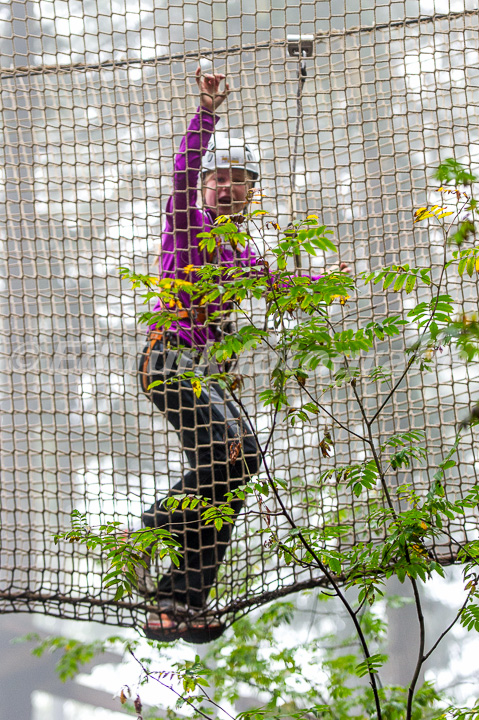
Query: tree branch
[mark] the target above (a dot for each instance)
(422, 641)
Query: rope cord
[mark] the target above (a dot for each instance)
(302, 74)
(26, 71)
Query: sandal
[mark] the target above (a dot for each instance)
(180, 623)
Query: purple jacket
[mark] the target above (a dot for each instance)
(184, 220)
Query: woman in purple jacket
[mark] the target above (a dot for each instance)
(219, 445)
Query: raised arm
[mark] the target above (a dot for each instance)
(187, 165)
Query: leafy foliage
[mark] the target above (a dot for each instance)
(125, 551)
(308, 327)
(451, 171)
(74, 653)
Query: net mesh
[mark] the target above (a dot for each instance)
(94, 101)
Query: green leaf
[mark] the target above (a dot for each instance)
(451, 171)
(362, 476)
(470, 617)
(462, 265)
(410, 283)
(119, 594)
(400, 280)
(326, 244)
(371, 664)
(389, 279)
(471, 265)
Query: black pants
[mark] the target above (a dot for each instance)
(210, 429)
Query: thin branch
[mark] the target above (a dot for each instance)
(273, 427)
(422, 641)
(322, 567)
(361, 606)
(450, 626)
(212, 702)
(189, 701)
(352, 313)
(426, 327)
(370, 442)
(311, 397)
(422, 631)
(330, 415)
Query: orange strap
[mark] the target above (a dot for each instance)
(195, 314)
(153, 337)
(182, 314)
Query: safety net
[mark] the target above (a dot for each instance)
(95, 98)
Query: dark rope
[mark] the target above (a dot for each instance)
(29, 70)
(302, 74)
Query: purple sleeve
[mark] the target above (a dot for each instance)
(187, 168)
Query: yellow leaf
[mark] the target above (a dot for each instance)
(312, 217)
(188, 268)
(477, 265)
(196, 385)
(444, 214)
(343, 299)
(423, 213)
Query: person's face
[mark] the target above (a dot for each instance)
(225, 190)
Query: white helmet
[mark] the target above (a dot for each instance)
(226, 152)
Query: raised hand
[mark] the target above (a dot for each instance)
(341, 267)
(210, 95)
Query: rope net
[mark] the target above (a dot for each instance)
(94, 102)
